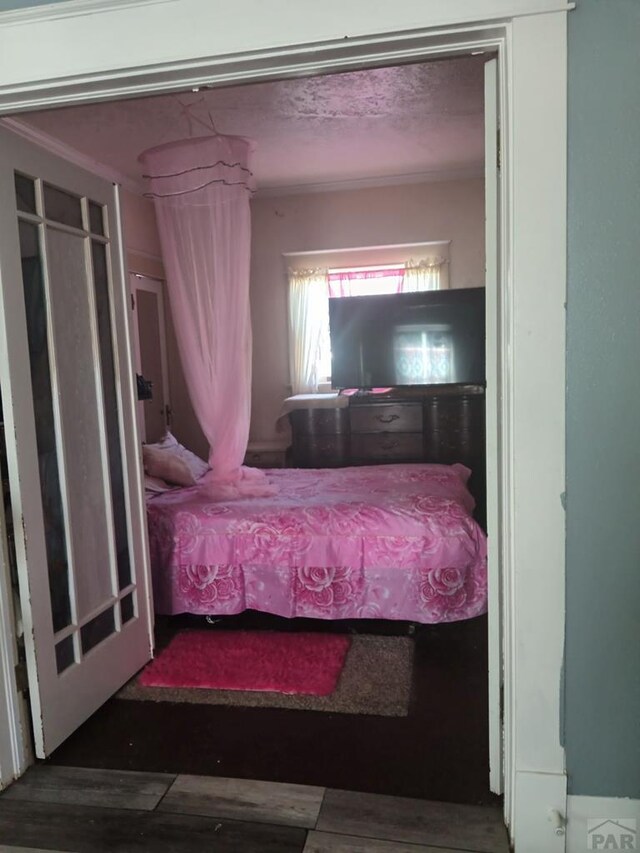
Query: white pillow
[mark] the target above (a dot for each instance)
(166, 466)
(155, 486)
(197, 466)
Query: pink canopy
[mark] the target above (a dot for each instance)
(201, 189)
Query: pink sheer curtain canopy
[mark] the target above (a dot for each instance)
(201, 189)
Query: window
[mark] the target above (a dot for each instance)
(309, 292)
(365, 281)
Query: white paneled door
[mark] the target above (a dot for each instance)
(66, 374)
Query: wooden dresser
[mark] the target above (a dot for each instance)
(266, 454)
(320, 438)
(386, 432)
(443, 424)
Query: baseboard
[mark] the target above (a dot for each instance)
(538, 814)
(602, 823)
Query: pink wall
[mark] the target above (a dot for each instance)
(140, 229)
(335, 220)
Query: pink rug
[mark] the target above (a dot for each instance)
(250, 660)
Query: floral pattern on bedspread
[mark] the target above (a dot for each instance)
(389, 541)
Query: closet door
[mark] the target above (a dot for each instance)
(72, 446)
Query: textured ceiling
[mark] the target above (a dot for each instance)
(361, 125)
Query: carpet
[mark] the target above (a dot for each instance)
(375, 680)
(272, 661)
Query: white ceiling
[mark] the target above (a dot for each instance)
(360, 126)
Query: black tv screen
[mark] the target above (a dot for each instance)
(430, 338)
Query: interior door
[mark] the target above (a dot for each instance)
(150, 339)
(66, 373)
(492, 398)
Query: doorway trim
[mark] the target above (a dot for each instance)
(531, 462)
(156, 286)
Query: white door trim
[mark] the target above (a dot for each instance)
(140, 281)
(492, 285)
(533, 433)
(242, 42)
(533, 225)
(66, 9)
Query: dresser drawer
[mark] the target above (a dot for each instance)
(454, 429)
(324, 451)
(319, 421)
(406, 417)
(387, 447)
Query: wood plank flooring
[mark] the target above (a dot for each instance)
(326, 842)
(244, 799)
(438, 752)
(412, 821)
(83, 786)
(80, 810)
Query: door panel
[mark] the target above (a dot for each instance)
(111, 408)
(74, 460)
(80, 419)
(42, 396)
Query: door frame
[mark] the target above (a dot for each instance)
(492, 426)
(533, 224)
(154, 285)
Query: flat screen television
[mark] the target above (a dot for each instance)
(430, 338)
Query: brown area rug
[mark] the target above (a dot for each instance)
(375, 680)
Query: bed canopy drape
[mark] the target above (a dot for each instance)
(201, 189)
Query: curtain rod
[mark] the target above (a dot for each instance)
(377, 248)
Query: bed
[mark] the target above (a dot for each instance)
(380, 542)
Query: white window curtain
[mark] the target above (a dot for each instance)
(309, 291)
(308, 328)
(423, 275)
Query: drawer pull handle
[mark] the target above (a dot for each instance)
(389, 445)
(388, 420)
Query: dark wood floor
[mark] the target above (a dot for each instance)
(79, 810)
(438, 752)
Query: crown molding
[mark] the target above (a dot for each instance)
(68, 9)
(465, 174)
(72, 155)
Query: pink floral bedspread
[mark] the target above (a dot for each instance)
(387, 542)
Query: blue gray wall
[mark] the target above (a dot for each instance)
(602, 673)
(21, 4)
